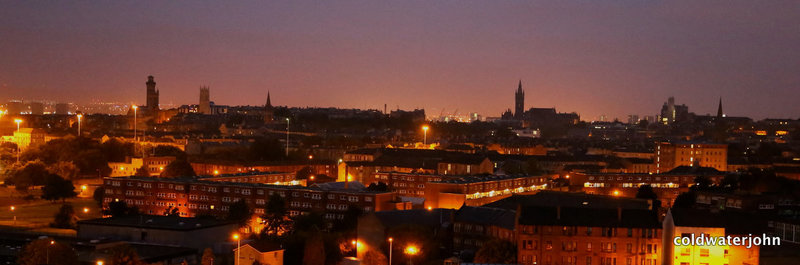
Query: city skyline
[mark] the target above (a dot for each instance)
(574, 56)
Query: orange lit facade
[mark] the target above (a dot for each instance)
(452, 193)
(699, 254)
(582, 236)
(217, 168)
(672, 155)
(196, 197)
(667, 186)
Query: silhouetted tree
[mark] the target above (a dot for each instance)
(142, 172)
(120, 208)
(372, 257)
(380, 186)
(164, 150)
(497, 251)
(178, 168)
(57, 188)
(208, 257)
(65, 218)
(64, 169)
(98, 195)
(701, 183)
(33, 173)
(40, 251)
(240, 212)
(685, 200)
(124, 255)
(172, 211)
(275, 220)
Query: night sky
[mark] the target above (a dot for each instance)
(591, 57)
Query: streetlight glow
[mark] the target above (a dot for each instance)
(411, 250)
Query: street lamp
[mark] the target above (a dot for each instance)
(47, 252)
(79, 123)
(134, 123)
(238, 247)
(287, 137)
(425, 134)
(411, 250)
(85, 210)
(390, 250)
(99, 262)
(18, 121)
(14, 213)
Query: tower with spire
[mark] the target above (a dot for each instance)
(269, 111)
(152, 94)
(719, 110)
(519, 102)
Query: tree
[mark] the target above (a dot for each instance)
(380, 186)
(57, 188)
(165, 150)
(64, 169)
(41, 251)
(685, 200)
(98, 195)
(497, 251)
(178, 168)
(646, 192)
(240, 212)
(372, 257)
(172, 211)
(142, 172)
(65, 218)
(701, 183)
(124, 255)
(314, 250)
(120, 208)
(304, 173)
(33, 173)
(275, 220)
(208, 257)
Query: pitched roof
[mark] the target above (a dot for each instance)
(486, 216)
(547, 198)
(158, 222)
(570, 216)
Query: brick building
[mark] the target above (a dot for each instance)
(669, 155)
(194, 197)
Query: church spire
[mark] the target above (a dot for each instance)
(519, 88)
(719, 109)
(269, 103)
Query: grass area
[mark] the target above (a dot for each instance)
(39, 213)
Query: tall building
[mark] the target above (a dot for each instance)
(671, 113)
(269, 111)
(205, 102)
(719, 110)
(36, 108)
(152, 94)
(519, 102)
(670, 155)
(62, 108)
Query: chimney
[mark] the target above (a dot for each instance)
(558, 212)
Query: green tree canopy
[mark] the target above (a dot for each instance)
(65, 218)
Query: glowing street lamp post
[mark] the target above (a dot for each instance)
(390, 250)
(287, 137)
(79, 124)
(47, 255)
(134, 123)
(238, 247)
(425, 134)
(15, 215)
(18, 121)
(411, 250)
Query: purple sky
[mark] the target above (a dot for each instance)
(592, 57)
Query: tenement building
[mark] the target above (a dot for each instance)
(193, 197)
(669, 155)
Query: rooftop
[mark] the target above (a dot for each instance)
(157, 222)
